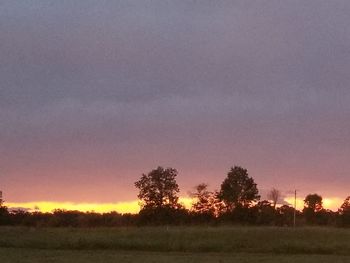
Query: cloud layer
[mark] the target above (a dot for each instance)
(92, 94)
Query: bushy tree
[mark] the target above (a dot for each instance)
(285, 215)
(206, 205)
(313, 209)
(313, 202)
(345, 207)
(158, 188)
(158, 194)
(238, 189)
(344, 213)
(4, 216)
(266, 213)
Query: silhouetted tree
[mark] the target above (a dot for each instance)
(265, 213)
(1, 200)
(158, 188)
(325, 217)
(204, 200)
(312, 208)
(345, 207)
(165, 215)
(313, 202)
(344, 213)
(274, 195)
(285, 215)
(206, 205)
(158, 197)
(64, 218)
(4, 214)
(238, 189)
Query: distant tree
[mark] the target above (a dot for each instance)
(4, 214)
(313, 202)
(285, 215)
(238, 189)
(344, 213)
(345, 207)
(274, 195)
(265, 213)
(158, 189)
(202, 197)
(206, 203)
(165, 215)
(1, 200)
(313, 209)
(66, 218)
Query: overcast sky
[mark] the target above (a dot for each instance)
(93, 93)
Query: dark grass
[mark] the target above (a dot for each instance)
(250, 240)
(17, 255)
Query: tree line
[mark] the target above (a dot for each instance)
(236, 202)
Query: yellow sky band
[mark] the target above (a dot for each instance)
(133, 206)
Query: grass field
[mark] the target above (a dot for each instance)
(174, 244)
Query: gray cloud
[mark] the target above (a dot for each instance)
(191, 84)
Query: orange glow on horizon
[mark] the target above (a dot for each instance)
(133, 206)
(120, 207)
(47, 206)
(332, 203)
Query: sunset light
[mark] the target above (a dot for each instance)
(174, 131)
(332, 203)
(42, 206)
(133, 206)
(120, 207)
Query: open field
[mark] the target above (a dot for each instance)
(175, 244)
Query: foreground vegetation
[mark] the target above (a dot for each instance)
(174, 244)
(110, 256)
(164, 231)
(237, 202)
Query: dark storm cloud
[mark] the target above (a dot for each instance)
(136, 83)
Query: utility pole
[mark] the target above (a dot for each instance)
(295, 208)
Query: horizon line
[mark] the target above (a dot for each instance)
(132, 206)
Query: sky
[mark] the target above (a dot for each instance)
(95, 93)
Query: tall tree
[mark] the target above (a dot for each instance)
(158, 189)
(238, 189)
(345, 207)
(313, 208)
(274, 195)
(4, 214)
(344, 213)
(313, 202)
